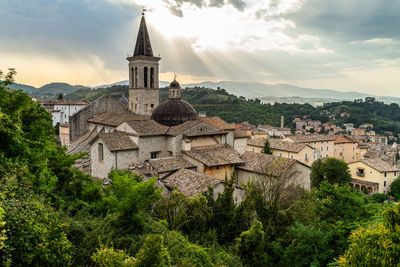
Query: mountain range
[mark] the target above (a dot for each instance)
(266, 92)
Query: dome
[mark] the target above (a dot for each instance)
(173, 112)
(174, 84)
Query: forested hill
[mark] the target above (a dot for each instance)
(238, 109)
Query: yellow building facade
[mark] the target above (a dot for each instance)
(373, 174)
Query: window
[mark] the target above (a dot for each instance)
(153, 155)
(252, 149)
(145, 76)
(394, 173)
(135, 79)
(327, 148)
(322, 148)
(305, 157)
(132, 77)
(314, 156)
(384, 183)
(152, 77)
(291, 156)
(217, 167)
(385, 174)
(280, 154)
(100, 151)
(152, 106)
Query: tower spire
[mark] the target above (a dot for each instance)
(143, 45)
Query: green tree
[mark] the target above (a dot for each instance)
(3, 236)
(250, 245)
(110, 257)
(395, 189)
(267, 148)
(376, 245)
(333, 170)
(153, 252)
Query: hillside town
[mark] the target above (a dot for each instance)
(172, 139)
(195, 170)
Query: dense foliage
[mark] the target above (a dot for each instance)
(333, 170)
(54, 215)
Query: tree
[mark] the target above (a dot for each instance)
(250, 245)
(60, 96)
(110, 257)
(333, 170)
(153, 253)
(267, 148)
(376, 245)
(395, 189)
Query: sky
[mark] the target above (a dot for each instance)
(334, 44)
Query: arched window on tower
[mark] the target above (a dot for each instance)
(145, 77)
(151, 77)
(135, 77)
(132, 78)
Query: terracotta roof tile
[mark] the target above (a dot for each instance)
(340, 139)
(148, 127)
(118, 141)
(259, 163)
(310, 138)
(219, 123)
(287, 146)
(190, 182)
(115, 119)
(239, 134)
(379, 165)
(170, 164)
(215, 155)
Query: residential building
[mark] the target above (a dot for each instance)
(298, 151)
(373, 174)
(323, 145)
(358, 132)
(346, 148)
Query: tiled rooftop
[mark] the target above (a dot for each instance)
(219, 123)
(215, 155)
(264, 163)
(170, 164)
(310, 138)
(115, 119)
(190, 182)
(379, 165)
(118, 141)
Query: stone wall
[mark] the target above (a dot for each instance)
(78, 122)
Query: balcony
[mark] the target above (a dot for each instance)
(361, 174)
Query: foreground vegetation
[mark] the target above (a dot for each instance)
(54, 215)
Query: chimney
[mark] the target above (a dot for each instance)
(282, 121)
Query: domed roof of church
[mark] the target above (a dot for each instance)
(173, 112)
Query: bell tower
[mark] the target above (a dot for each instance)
(143, 74)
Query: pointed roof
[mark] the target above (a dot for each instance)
(143, 45)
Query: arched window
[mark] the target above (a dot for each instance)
(132, 77)
(145, 77)
(152, 77)
(100, 152)
(135, 77)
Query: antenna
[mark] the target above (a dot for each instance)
(144, 10)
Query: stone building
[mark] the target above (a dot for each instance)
(323, 145)
(78, 123)
(257, 165)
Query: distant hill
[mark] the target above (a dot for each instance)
(267, 93)
(50, 90)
